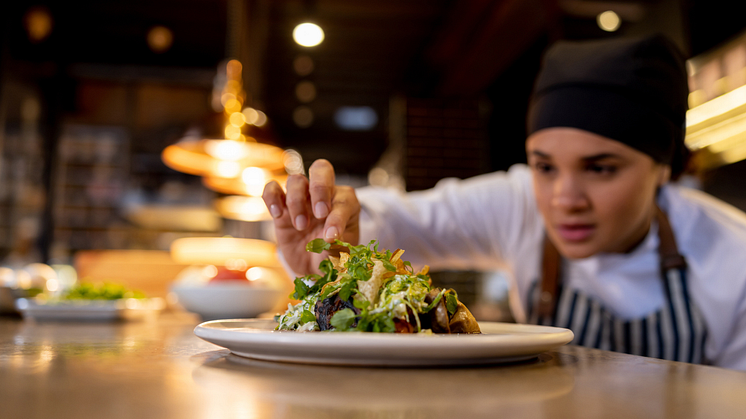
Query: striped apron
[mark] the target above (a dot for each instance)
(676, 332)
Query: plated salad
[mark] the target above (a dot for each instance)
(370, 290)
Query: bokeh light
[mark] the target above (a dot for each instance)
(305, 91)
(609, 21)
(160, 39)
(293, 162)
(303, 116)
(237, 119)
(38, 24)
(308, 34)
(303, 65)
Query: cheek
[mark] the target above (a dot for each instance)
(623, 206)
(543, 194)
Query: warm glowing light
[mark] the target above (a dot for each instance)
(254, 117)
(225, 97)
(719, 126)
(232, 105)
(210, 271)
(160, 39)
(305, 91)
(308, 34)
(236, 264)
(236, 185)
(293, 162)
(303, 65)
(38, 24)
(217, 250)
(233, 86)
(191, 156)
(52, 285)
(226, 149)
(244, 208)
(254, 273)
(251, 115)
(303, 116)
(261, 119)
(232, 132)
(237, 119)
(608, 21)
(716, 107)
(227, 169)
(233, 69)
(255, 178)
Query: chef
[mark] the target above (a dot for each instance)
(595, 236)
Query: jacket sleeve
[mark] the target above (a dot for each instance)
(459, 224)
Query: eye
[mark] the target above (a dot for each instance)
(601, 169)
(543, 167)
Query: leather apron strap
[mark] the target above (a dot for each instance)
(551, 264)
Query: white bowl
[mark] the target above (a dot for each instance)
(227, 301)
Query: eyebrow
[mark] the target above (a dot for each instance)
(594, 157)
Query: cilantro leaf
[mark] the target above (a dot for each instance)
(318, 246)
(306, 317)
(301, 289)
(451, 301)
(347, 288)
(343, 319)
(388, 265)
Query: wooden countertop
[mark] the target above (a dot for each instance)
(158, 368)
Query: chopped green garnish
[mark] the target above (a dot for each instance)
(307, 316)
(380, 300)
(105, 291)
(343, 319)
(318, 246)
(451, 301)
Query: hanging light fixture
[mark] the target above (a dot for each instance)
(236, 165)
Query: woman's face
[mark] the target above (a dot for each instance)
(595, 194)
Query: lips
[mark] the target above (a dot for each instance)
(575, 232)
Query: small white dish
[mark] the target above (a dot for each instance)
(227, 300)
(89, 310)
(498, 343)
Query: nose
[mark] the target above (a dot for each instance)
(569, 194)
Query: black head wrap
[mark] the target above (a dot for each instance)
(632, 90)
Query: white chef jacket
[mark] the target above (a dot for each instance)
(491, 222)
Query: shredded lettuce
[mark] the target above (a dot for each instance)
(400, 294)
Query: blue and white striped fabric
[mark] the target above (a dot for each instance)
(676, 332)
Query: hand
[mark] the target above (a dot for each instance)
(312, 208)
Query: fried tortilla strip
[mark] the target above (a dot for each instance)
(369, 289)
(339, 262)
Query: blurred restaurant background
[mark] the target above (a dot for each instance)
(127, 125)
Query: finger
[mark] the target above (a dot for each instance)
(344, 206)
(321, 187)
(297, 201)
(274, 199)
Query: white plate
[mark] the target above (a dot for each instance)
(91, 310)
(499, 342)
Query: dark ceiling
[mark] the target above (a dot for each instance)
(373, 49)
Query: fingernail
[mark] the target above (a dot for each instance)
(275, 211)
(332, 233)
(300, 222)
(320, 210)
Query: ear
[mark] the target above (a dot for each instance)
(664, 175)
